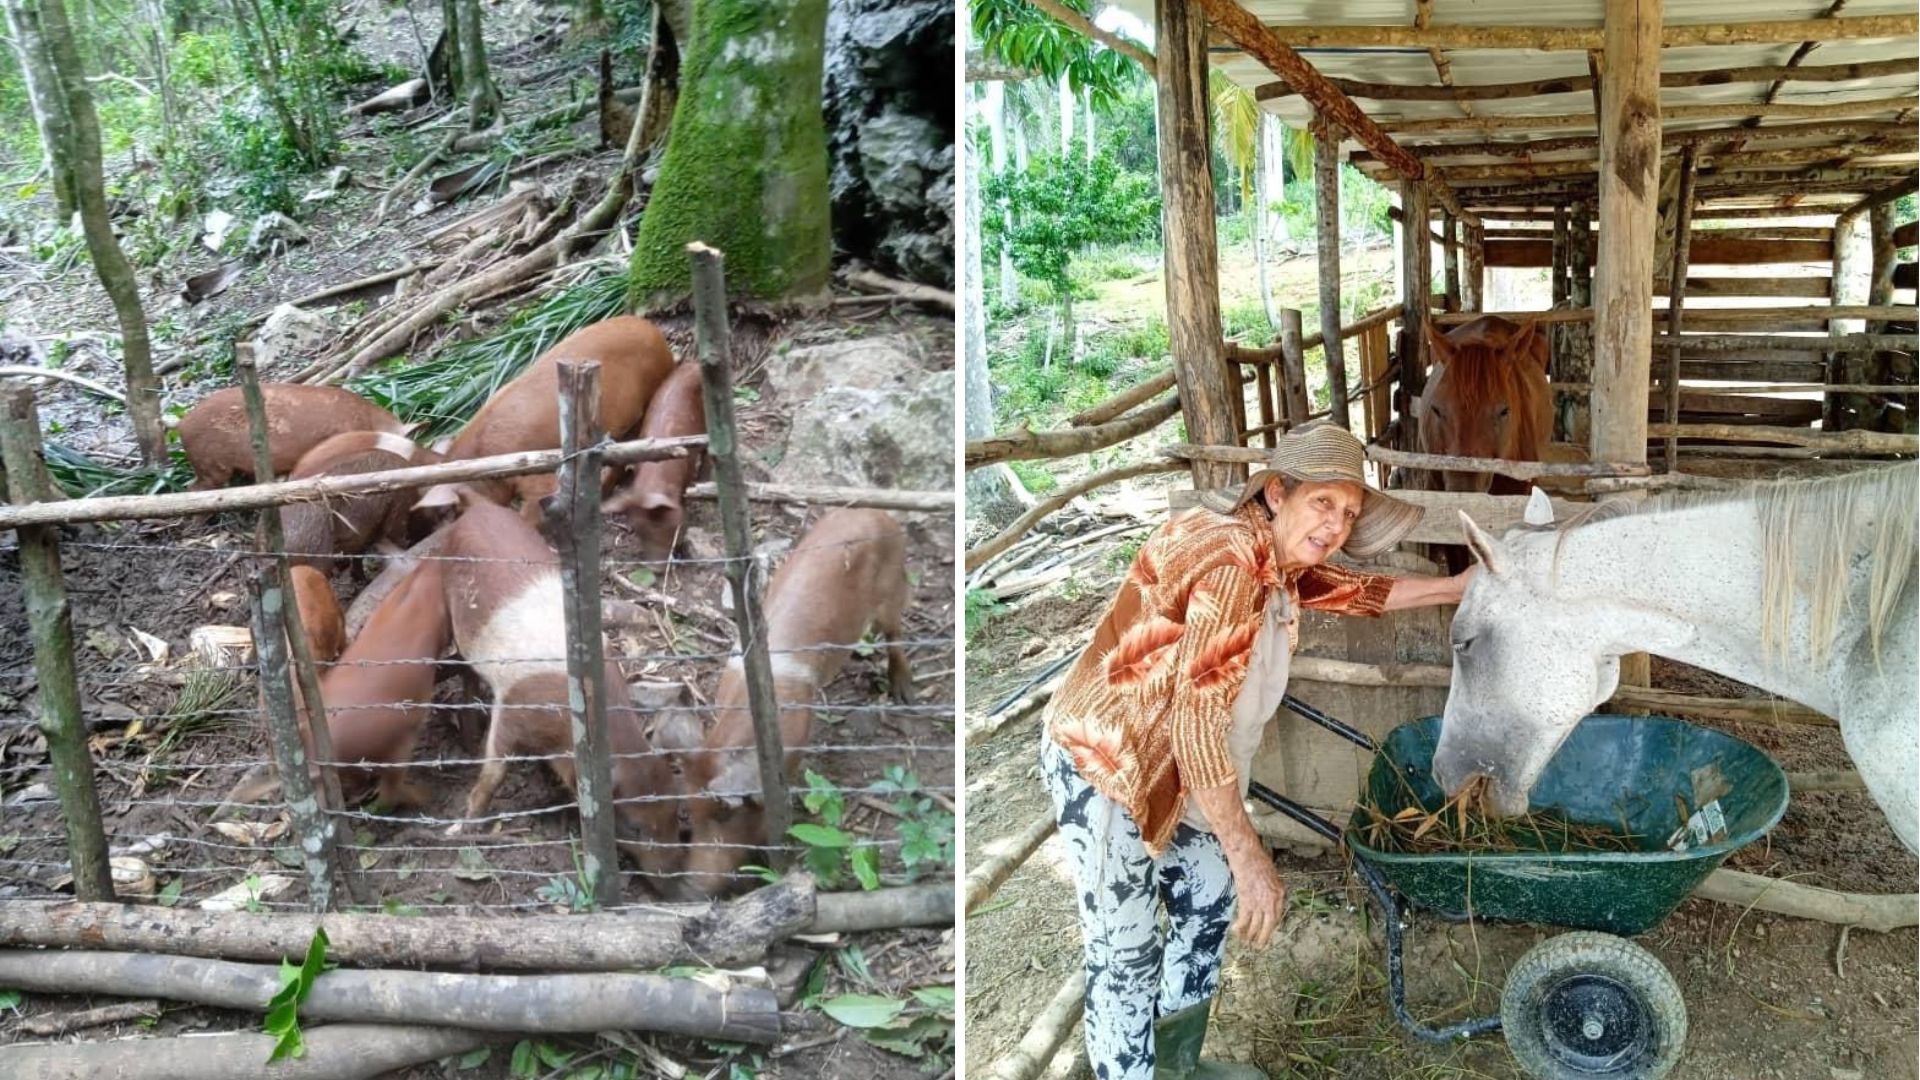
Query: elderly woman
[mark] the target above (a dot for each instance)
(1149, 741)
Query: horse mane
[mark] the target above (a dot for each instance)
(1801, 521)
(1482, 372)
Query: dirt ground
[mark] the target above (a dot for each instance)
(1769, 998)
(159, 774)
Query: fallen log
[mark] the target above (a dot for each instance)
(1022, 444)
(551, 1003)
(333, 1052)
(1832, 780)
(279, 493)
(1867, 911)
(1020, 710)
(930, 904)
(1043, 1039)
(737, 931)
(905, 290)
(61, 1023)
(988, 549)
(994, 872)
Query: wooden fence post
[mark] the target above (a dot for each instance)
(1293, 371)
(575, 514)
(50, 621)
(310, 822)
(273, 539)
(715, 345)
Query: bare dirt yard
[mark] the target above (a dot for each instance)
(1769, 998)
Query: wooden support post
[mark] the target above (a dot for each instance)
(50, 622)
(1557, 284)
(573, 511)
(1844, 411)
(1676, 299)
(1416, 304)
(303, 672)
(1473, 296)
(1879, 368)
(1450, 255)
(1576, 347)
(1623, 279)
(310, 822)
(1293, 371)
(1237, 387)
(1326, 202)
(1192, 250)
(713, 341)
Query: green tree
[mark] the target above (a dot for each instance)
(289, 46)
(1019, 34)
(746, 164)
(1059, 205)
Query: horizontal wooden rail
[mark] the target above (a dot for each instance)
(1248, 354)
(282, 492)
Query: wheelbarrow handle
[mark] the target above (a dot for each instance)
(1351, 734)
(1391, 911)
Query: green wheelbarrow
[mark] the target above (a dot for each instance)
(1589, 1004)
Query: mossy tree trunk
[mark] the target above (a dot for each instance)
(746, 160)
(49, 116)
(52, 39)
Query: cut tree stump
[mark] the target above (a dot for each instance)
(334, 1052)
(551, 1003)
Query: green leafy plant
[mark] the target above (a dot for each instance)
(981, 609)
(831, 851)
(1046, 214)
(296, 982)
(926, 829)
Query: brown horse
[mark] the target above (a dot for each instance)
(1486, 396)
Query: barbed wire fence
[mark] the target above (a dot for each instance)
(329, 843)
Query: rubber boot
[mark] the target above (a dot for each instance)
(1177, 1039)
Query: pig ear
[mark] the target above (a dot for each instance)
(1484, 547)
(738, 780)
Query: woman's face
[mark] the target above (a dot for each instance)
(1314, 521)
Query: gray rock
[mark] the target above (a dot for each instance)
(887, 437)
(864, 363)
(890, 113)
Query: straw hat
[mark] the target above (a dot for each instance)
(1323, 452)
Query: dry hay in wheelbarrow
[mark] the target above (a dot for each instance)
(1464, 824)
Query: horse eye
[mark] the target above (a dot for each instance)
(1462, 647)
(1504, 410)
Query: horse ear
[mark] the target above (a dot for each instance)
(1438, 343)
(1528, 341)
(1484, 547)
(1539, 508)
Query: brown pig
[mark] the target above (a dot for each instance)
(320, 614)
(215, 435)
(525, 414)
(352, 523)
(651, 500)
(504, 597)
(848, 573)
(376, 695)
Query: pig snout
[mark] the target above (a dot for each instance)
(654, 518)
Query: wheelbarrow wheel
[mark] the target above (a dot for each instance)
(1587, 1005)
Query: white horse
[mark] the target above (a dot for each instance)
(1806, 589)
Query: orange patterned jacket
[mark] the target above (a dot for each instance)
(1146, 709)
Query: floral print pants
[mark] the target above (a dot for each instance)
(1136, 972)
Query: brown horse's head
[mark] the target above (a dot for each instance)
(1486, 396)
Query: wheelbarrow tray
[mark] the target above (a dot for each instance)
(1614, 771)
